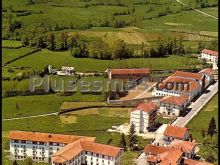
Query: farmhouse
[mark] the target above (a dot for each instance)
(65, 70)
(61, 149)
(174, 132)
(128, 74)
(209, 76)
(209, 55)
(173, 105)
(144, 116)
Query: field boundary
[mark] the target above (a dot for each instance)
(17, 58)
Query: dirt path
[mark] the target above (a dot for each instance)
(27, 117)
(198, 10)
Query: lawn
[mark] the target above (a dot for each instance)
(201, 121)
(46, 57)
(10, 54)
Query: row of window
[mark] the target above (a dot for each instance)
(36, 142)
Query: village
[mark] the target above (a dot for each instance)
(172, 143)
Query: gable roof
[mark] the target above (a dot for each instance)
(155, 150)
(185, 146)
(176, 100)
(189, 84)
(130, 71)
(46, 137)
(208, 71)
(196, 76)
(210, 52)
(164, 155)
(71, 150)
(174, 131)
(146, 107)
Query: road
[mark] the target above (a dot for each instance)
(198, 105)
(28, 117)
(198, 10)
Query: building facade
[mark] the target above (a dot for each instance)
(174, 132)
(173, 105)
(61, 149)
(209, 55)
(144, 116)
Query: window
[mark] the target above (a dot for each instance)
(50, 143)
(34, 142)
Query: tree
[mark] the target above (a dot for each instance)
(15, 162)
(212, 127)
(51, 41)
(29, 2)
(109, 141)
(132, 138)
(123, 142)
(203, 132)
(210, 158)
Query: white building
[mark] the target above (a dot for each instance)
(174, 132)
(66, 71)
(173, 105)
(181, 83)
(209, 76)
(61, 149)
(144, 116)
(209, 56)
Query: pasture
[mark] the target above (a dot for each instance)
(58, 59)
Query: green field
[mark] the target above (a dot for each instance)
(58, 59)
(201, 121)
(10, 54)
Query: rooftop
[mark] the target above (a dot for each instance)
(74, 148)
(208, 71)
(47, 137)
(146, 107)
(173, 131)
(211, 52)
(187, 75)
(185, 146)
(176, 100)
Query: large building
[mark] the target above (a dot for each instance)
(209, 55)
(61, 149)
(173, 105)
(181, 83)
(144, 116)
(128, 74)
(174, 132)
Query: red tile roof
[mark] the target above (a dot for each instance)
(46, 137)
(155, 150)
(211, 52)
(189, 85)
(173, 131)
(146, 107)
(130, 71)
(196, 76)
(164, 155)
(195, 162)
(185, 146)
(208, 71)
(170, 157)
(176, 100)
(71, 150)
